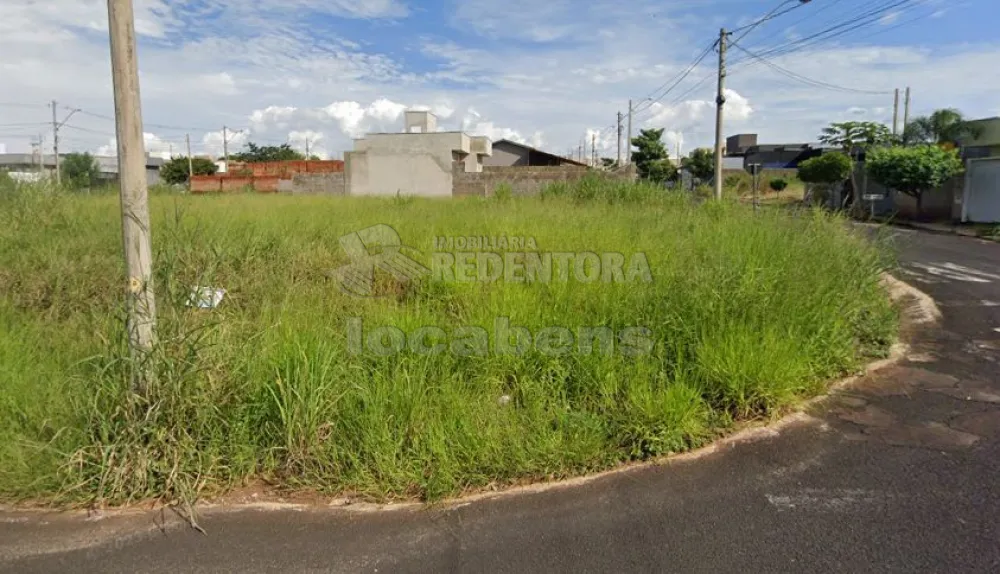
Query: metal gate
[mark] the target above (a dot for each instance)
(981, 198)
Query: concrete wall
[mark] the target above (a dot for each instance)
(412, 164)
(506, 155)
(322, 183)
(522, 180)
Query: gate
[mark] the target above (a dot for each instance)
(981, 198)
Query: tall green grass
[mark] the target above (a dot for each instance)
(749, 314)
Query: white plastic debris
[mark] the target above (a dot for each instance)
(206, 297)
(504, 399)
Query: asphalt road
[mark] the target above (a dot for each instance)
(899, 474)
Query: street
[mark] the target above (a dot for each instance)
(898, 473)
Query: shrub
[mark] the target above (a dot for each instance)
(778, 184)
(833, 167)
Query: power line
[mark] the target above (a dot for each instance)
(858, 22)
(769, 16)
(804, 79)
(676, 81)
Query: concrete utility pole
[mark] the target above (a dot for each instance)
(906, 110)
(55, 143)
(187, 140)
(141, 323)
(225, 146)
(720, 102)
(895, 113)
(619, 161)
(56, 124)
(307, 148)
(628, 140)
(593, 150)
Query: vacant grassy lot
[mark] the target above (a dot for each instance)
(746, 314)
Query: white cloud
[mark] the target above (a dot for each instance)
(276, 69)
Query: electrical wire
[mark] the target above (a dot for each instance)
(678, 79)
(804, 79)
(838, 30)
(769, 16)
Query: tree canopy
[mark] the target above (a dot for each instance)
(945, 126)
(701, 163)
(913, 170)
(649, 149)
(852, 136)
(832, 167)
(79, 170)
(176, 170)
(254, 153)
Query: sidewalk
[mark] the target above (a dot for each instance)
(943, 228)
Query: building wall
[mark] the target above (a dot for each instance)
(522, 180)
(505, 155)
(318, 183)
(411, 164)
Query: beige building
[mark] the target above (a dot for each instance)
(420, 161)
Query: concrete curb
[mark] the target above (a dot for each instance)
(120, 525)
(937, 230)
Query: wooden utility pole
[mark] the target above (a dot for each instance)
(720, 102)
(225, 146)
(619, 161)
(628, 140)
(895, 113)
(141, 303)
(187, 140)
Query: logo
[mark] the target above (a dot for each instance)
(375, 247)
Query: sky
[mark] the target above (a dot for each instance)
(551, 73)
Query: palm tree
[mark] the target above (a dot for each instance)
(945, 126)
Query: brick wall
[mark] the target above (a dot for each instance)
(286, 169)
(522, 180)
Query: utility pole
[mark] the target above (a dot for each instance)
(187, 140)
(619, 161)
(895, 113)
(55, 143)
(628, 140)
(56, 124)
(307, 148)
(720, 101)
(141, 322)
(225, 146)
(906, 110)
(593, 149)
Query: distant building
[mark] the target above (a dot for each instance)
(32, 167)
(987, 143)
(770, 156)
(508, 153)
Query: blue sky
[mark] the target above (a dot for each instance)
(551, 73)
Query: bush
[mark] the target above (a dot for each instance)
(738, 183)
(175, 171)
(778, 184)
(833, 167)
(913, 170)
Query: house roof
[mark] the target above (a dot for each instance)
(545, 153)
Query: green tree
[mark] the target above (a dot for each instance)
(701, 163)
(945, 126)
(855, 139)
(254, 153)
(79, 170)
(176, 170)
(661, 171)
(913, 170)
(649, 148)
(829, 168)
(608, 162)
(778, 184)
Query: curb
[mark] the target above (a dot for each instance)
(954, 231)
